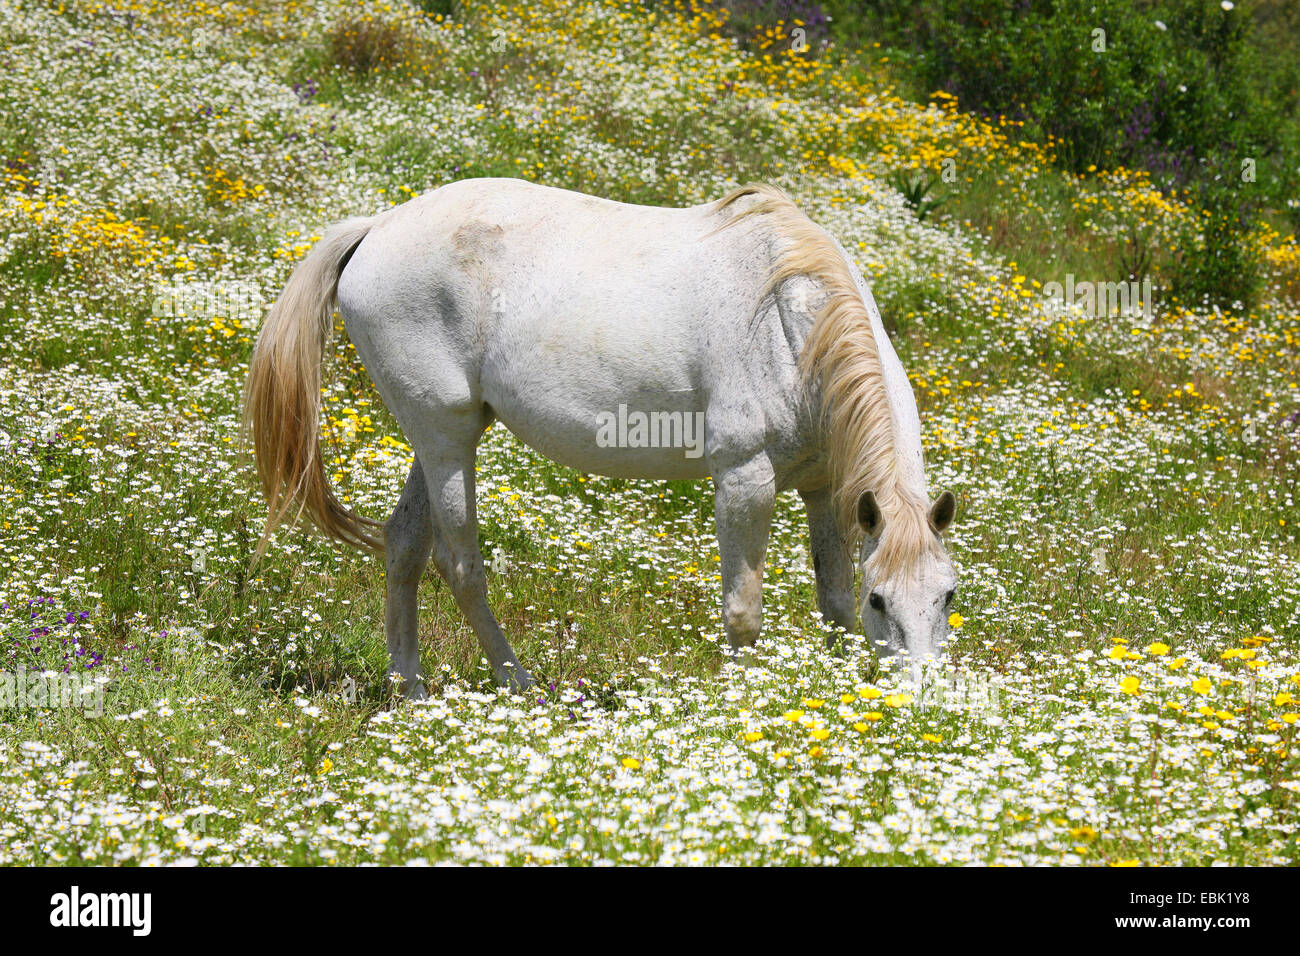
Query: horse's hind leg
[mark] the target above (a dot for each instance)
(450, 475)
(408, 539)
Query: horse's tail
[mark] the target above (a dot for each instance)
(282, 397)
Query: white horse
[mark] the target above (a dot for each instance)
(554, 311)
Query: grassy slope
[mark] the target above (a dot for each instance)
(247, 719)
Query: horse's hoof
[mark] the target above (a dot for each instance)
(516, 680)
(410, 690)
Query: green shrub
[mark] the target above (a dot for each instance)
(1185, 89)
(1175, 87)
(1116, 82)
(1215, 262)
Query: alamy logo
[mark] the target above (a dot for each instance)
(21, 689)
(1101, 299)
(973, 693)
(237, 301)
(103, 909)
(636, 429)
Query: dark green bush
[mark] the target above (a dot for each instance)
(1166, 85)
(1182, 88)
(1214, 262)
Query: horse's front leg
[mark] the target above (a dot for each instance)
(743, 499)
(832, 564)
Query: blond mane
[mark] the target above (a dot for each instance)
(841, 361)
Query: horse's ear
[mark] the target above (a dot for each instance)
(869, 517)
(943, 510)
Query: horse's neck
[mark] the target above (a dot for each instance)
(898, 390)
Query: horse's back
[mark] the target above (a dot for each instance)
(509, 251)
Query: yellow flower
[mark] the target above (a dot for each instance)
(754, 735)
(631, 763)
(1158, 649)
(820, 733)
(793, 715)
(861, 726)
(326, 765)
(932, 738)
(1084, 832)
(1117, 653)
(868, 693)
(955, 620)
(1283, 698)
(812, 703)
(1202, 685)
(898, 700)
(1291, 718)
(1129, 685)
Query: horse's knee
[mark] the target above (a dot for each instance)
(406, 548)
(464, 573)
(408, 533)
(743, 622)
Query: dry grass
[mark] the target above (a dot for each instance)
(368, 44)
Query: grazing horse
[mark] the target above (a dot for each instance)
(556, 313)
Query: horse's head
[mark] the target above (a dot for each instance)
(908, 590)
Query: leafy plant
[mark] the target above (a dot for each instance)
(915, 187)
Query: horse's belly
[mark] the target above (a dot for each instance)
(609, 396)
(624, 440)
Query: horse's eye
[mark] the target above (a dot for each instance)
(947, 598)
(877, 602)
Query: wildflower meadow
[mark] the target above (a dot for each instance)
(1123, 685)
